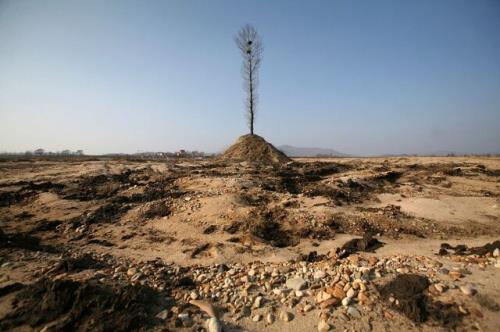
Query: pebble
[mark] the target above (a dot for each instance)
(323, 326)
(131, 271)
(270, 318)
(346, 301)
(351, 293)
(185, 319)
(308, 307)
(296, 283)
(136, 277)
(319, 275)
(467, 290)
(330, 302)
(162, 314)
(338, 292)
(353, 312)
(455, 275)
(258, 302)
(257, 318)
(213, 325)
(322, 296)
(496, 252)
(286, 316)
(439, 287)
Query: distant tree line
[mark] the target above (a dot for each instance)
(43, 152)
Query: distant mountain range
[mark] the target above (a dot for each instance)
(293, 151)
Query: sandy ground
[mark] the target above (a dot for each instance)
(198, 214)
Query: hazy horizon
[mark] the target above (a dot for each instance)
(364, 78)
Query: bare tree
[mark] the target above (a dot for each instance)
(250, 45)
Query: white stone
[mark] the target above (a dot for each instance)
(319, 274)
(296, 283)
(346, 301)
(213, 325)
(351, 293)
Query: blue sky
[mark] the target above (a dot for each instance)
(362, 77)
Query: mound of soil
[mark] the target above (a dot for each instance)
(255, 150)
(462, 249)
(23, 241)
(367, 244)
(67, 305)
(414, 303)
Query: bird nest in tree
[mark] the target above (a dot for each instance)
(255, 150)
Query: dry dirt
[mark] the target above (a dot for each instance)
(132, 239)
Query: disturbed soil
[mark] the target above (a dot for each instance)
(309, 244)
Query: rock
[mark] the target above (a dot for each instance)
(443, 271)
(258, 302)
(329, 303)
(257, 318)
(338, 292)
(296, 283)
(270, 318)
(363, 299)
(136, 277)
(286, 316)
(346, 301)
(351, 293)
(319, 275)
(322, 296)
(467, 290)
(455, 275)
(213, 325)
(354, 259)
(439, 287)
(496, 252)
(372, 260)
(131, 271)
(185, 319)
(353, 312)
(299, 293)
(323, 326)
(308, 307)
(162, 314)
(193, 295)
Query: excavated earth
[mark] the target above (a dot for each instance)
(277, 244)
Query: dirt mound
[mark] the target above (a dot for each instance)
(462, 249)
(23, 241)
(412, 300)
(367, 243)
(67, 305)
(254, 149)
